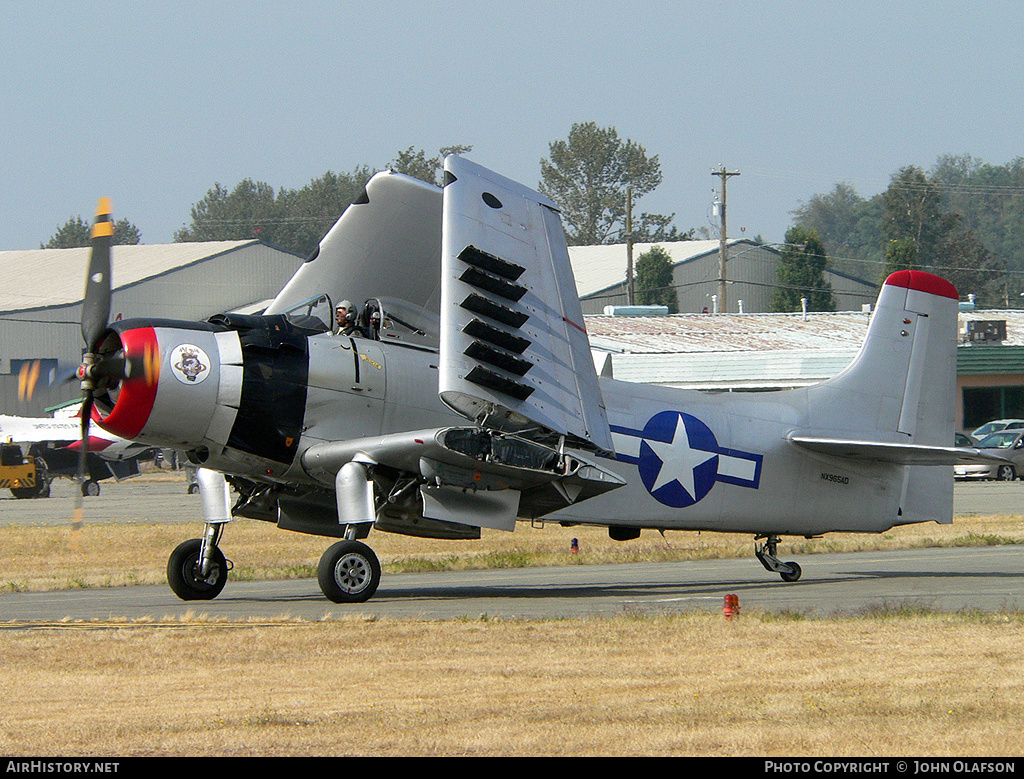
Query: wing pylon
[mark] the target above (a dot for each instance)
(472, 476)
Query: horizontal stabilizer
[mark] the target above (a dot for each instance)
(514, 350)
(899, 454)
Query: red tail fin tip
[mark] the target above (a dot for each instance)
(923, 282)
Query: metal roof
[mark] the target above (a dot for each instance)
(727, 332)
(40, 278)
(762, 351)
(990, 360)
(733, 370)
(729, 351)
(1014, 324)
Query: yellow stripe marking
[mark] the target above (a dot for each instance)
(104, 226)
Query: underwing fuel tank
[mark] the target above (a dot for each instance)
(234, 383)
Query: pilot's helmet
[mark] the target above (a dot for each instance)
(350, 312)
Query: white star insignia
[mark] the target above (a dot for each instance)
(678, 460)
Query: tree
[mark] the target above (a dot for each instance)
(802, 274)
(415, 163)
(294, 220)
(588, 176)
(849, 226)
(974, 269)
(308, 213)
(942, 240)
(913, 210)
(247, 211)
(654, 279)
(989, 202)
(961, 221)
(77, 232)
(900, 254)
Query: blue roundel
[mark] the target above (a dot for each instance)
(678, 458)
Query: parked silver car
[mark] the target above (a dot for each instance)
(996, 425)
(1008, 443)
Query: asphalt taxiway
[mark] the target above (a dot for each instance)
(970, 578)
(988, 579)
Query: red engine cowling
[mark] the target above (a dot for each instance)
(235, 383)
(169, 395)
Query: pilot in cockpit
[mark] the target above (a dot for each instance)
(345, 319)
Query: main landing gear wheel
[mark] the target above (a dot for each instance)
(90, 488)
(349, 572)
(184, 572)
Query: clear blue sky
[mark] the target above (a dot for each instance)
(151, 103)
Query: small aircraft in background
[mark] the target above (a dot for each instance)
(469, 399)
(36, 450)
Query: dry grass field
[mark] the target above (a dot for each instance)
(763, 684)
(661, 686)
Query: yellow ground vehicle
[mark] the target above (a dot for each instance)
(24, 475)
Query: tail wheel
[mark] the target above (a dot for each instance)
(793, 574)
(184, 572)
(349, 572)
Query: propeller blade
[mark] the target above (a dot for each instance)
(96, 306)
(95, 315)
(79, 511)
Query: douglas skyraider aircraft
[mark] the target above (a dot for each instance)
(468, 399)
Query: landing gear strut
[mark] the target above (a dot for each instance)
(766, 553)
(197, 569)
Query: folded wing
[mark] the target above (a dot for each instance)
(514, 350)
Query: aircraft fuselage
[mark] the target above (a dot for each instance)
(691, 460)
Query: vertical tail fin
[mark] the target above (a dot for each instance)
(902, 384)
(895, 402)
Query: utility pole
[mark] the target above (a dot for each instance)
(629, 245)
(723, 246)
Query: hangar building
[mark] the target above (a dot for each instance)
(752, 272)
(41, 301)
